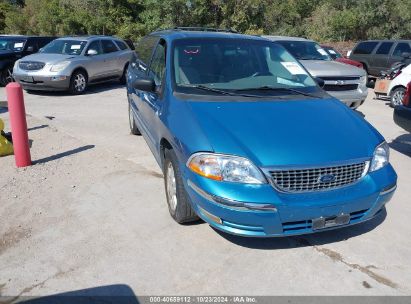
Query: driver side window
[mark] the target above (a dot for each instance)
(95, 45)
(158, 64)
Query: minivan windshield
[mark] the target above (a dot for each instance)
(306, 50)
(64, 47)
(246, 66)
(12, 44)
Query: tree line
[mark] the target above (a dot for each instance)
(321, 20)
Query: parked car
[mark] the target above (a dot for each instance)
(335, 55)
(402, 113)
(14, 47)
(344, 82)
(380, 55)
(73, 63)
(398, 85)
(248, 141)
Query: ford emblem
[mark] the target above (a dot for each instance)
(326, 178)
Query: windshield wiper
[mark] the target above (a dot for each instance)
(269, 88)
(222, 92)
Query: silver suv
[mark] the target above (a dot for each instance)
(344, 82)
(72, 63)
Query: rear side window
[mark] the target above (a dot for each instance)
(384, 48)
(402, 47)
(108, 46)
(121, 45)
(365, 47)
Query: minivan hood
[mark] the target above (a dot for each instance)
(319, 68)
(291, 132)
(48, 58)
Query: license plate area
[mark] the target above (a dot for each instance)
(333, 221)
(27, 79)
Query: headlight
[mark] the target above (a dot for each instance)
(381, 156)
(58, 67)
(225, 168)
(363, 80)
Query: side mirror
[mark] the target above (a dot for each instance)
(145, 84)
(319, 81)
(30, 49)
(406, 55)
(91, 52)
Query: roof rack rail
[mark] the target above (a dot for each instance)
(203, 29)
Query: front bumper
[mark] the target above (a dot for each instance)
(352, 99)
(285, 214)
(34, 82)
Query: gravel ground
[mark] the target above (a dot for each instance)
(91, 213)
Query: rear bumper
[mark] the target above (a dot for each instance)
(44, 83)
(290, 214)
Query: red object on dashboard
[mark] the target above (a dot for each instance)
(351, 62)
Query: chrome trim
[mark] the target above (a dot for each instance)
(391, 189)
(231, 203)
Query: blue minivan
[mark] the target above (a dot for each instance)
(248, 141)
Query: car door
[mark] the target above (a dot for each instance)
(152, 102)
(400, 48)
(96, 64)
(110, 51)
(139, 69)
(380, 60)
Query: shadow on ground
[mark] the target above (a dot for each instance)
(315, 239)
(63, 154)
(402, 144)
(92, 89)
(110, 294)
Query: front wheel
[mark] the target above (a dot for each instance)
(6, 76)
(177, 199)
(397, 96)
(78, 83)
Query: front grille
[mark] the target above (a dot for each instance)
(294, 227)
(338, 87)
(317, 179)
(326, 78)
(31, 65)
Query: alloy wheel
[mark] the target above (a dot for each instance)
(171, 187)
(397, 98)
(79, 83)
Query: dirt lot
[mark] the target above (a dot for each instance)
(91, 212)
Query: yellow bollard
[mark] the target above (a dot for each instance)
(6, 148)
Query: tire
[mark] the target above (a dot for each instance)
(78, 83)
(6, 76)
(177, 198)
(397, 96)
(123, 79)
(133, 127)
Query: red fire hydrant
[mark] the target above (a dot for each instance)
(18, 124)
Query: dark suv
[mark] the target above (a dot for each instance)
(13, 48)
(379, 55)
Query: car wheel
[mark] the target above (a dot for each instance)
(6, 76)
(177, 198)
(397, 96)
(133, 127)
(78, 83)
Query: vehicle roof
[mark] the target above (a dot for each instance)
(173, 34)
(285, 38)
(86, 38)
(385, 40)
(25, 36)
